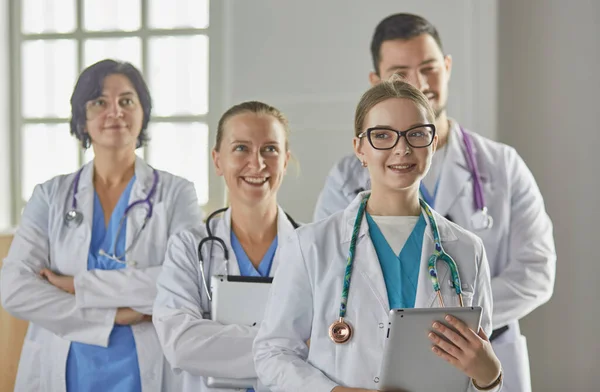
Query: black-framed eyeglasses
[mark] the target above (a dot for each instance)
(386, 138)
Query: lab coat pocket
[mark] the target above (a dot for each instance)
(467, 297)
(514, 357)
(451, 299)
(30, 368)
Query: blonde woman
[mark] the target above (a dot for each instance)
(251, 153)
(382, 241)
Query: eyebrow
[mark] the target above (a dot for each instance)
(267, 143)
(399, 67)
(390, 127)
(126, 93)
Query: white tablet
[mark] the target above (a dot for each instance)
(238, 300)
(408, 362)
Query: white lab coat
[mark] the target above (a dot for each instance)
(519, 246)
(58, 318)
(306, 294)
(193, 344)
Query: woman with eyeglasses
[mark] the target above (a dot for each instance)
(84, 261)
(343, 275)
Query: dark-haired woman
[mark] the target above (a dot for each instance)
(83, 264)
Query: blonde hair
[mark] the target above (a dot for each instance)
(255, 107)
(395, 87)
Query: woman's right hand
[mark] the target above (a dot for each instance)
(128, 316)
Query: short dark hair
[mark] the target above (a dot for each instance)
(89, 86)
(400, 26)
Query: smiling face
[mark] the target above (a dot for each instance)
(401, 167)
(114, 119)
(420, 62)
(252, 157)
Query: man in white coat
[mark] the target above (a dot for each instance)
(508, 214)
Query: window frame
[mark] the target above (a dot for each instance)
(214, 32)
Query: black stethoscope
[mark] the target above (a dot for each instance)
(212, 237)
(74, 217)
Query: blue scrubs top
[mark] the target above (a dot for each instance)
(246, 266)
(115, 368)
(400, 272)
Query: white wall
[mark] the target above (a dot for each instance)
(548, 109)
(311, 59)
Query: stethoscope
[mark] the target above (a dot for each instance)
(74, 217)
(481, 219)
(340, 331)
(211, 237)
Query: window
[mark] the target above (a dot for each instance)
(54, 40)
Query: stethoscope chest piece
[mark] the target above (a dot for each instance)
(340, 331)
(73, 218)
(482, 220)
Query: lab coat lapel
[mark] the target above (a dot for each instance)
(144, 179)
(366, 263)
(455, 175)
(85, 204)
(284, 229)
(223, 231)
(426, 297)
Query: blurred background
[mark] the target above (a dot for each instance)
(524, 73)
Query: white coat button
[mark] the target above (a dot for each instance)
(380, 325)
(376, 379)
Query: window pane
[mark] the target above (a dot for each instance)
(182, 149)
(169, 14)
(178, 74)
(112, 15)
(123, 49)
(49, 71)
(48, 16)
(88, 155)
(47, 150)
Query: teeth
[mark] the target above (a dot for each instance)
(255, 180)
(401, 167)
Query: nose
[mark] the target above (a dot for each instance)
(417, 79)
(115, 110)
(402, 147)
(256, 160)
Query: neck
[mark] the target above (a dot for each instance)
(254, 224)
(394, 203)
(113, 168)
(442, 127)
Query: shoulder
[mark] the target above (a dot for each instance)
(55, 189)
(322, 232)
(494, 152)
(170, 180)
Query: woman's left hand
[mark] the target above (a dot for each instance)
(63, 282)
(470, 352)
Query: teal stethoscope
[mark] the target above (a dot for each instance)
(340, 331)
